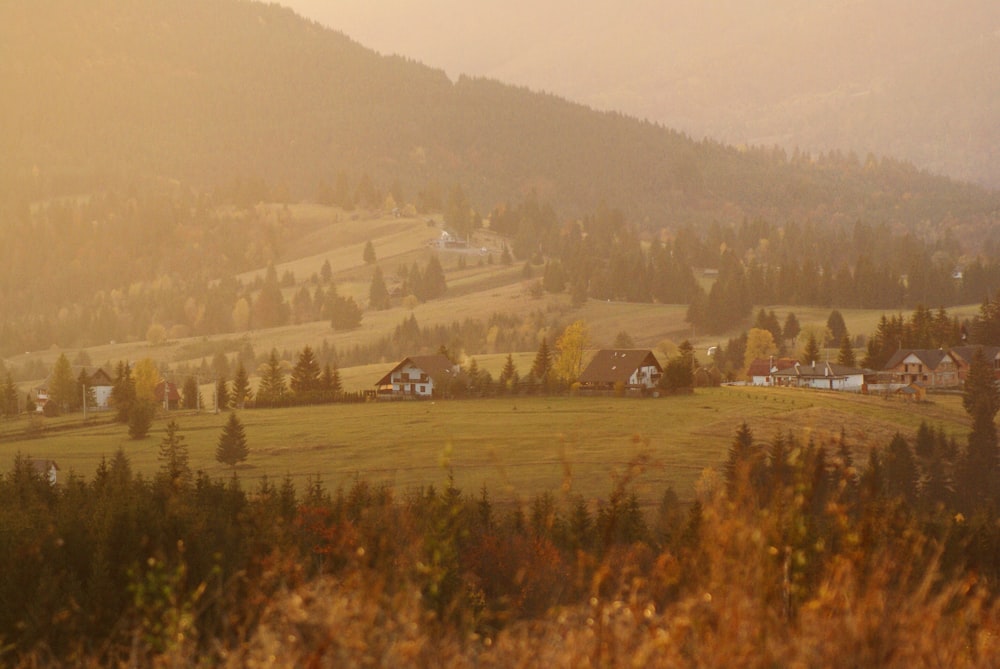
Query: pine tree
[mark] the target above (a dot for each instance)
(979, 481)
(679, 372)
(241, 387)
(232, 447)
(378, 294)
(305, 374)
(222, 397)
(369, 253)
(270, 308)
(432, 284)
(272, 390)
(541, 368)
(123, 392)
(811, 353)
(838, 329)
(8, 397)
(345, 314)
(190, 394)
(175, 469)
(740, 461)
(846, 354)
(508, 375)
(901, 473)
(791, 328)
(140, 419)
(330, 381)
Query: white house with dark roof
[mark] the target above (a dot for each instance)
(761, 370)
(626, 369)
(822, 376)
(100, 382)
(418, 376)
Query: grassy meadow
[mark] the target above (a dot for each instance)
(516, 447)
(519, 446)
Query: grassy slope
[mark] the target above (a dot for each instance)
(516, 447)
(524, 450)
(477, 291)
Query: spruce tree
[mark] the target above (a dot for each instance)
(791, 328)
(175, 470)
(811, 353)
(979, 483)
(190, 394)
(221, 393)
(272, 390)
(270, 308)
(901, 473)
(232, 447)
(123, 392)
(369, 253)
(140, 419)
(541, 368)
(845, 356)
(330, 381)
(378, 294)
(241, 387)
(305, 374)
(8, 397)
(432, 282)
(508, 375)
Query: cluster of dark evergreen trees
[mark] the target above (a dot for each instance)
(123, 565)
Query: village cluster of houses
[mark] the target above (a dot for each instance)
(626, 370)
(909, 372)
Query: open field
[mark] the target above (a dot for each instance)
(515, 447)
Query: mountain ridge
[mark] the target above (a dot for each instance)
(210, 92)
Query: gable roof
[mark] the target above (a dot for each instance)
(171, 389)
(100, 378)
(43, 466)
(439, 367)
(966, 353)
(763, 366)
(617, 365)
(931, 357)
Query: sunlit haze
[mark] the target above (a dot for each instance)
(915, 80)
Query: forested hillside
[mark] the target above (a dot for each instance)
(212, 93)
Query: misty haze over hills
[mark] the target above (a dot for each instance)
(913, 80)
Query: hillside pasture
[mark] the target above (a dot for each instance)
(515, 447)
